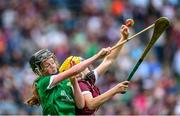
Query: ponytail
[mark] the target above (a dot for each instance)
(34, 99)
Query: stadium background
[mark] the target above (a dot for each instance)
(82, 27)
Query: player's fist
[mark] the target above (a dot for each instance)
(122, 87)
(124, 32)
(103, 52)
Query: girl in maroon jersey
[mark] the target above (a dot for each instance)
(93, 98)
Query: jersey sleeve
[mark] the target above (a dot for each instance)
(51, 80)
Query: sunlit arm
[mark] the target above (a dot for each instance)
(93, 103)
(110, 59)
(74, 70)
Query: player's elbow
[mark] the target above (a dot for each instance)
(81, 105)
(91, 105)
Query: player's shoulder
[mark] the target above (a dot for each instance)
(43, 79)
(83, 82)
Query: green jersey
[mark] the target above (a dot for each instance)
(57, 100)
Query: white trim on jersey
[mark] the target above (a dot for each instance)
(86, 92)
(50, 82)
(96, 74)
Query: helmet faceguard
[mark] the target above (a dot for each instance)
(38, 57)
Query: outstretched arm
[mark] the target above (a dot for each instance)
(110, 59)
(79, 67)
(93, 103)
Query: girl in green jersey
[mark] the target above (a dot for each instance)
(55, 92)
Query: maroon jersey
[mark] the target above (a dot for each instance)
(87, 84)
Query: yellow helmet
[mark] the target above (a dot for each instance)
(66, 64)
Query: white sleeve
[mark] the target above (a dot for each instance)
(96, 74)
(50, 82)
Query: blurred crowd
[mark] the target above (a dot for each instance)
(83, 27)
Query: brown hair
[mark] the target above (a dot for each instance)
(34, 99)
